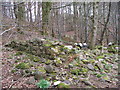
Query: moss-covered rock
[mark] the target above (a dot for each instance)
(23, 66)
(19, 53)
(49, 68)
(41, 69)
(48, 61)
(14, 70)
(86, 61)
(111, 49)
(75, 71)
(100, 57)
(39, 75)
(63, 85)
(58, 62)
(83, 70)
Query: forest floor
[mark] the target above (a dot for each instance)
(101, 76)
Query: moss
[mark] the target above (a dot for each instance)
(111, 49)
(108, 66)
(104, 62)
(47, 45)
(41, 69)
(98, 47)
(96, 68)
(16, 61)
(63, 85)
(92, 61)
(57, 62)
(19, 53)
(100, 57)
(33, 58)
(13, 71)
(85, 61)
(84, 70)
(36, 59)
(48, 62)
(75, 71)
(23, 66)
(99, 75)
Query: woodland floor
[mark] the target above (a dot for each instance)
(15, 80)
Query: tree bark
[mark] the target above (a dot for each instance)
(105, 25)
(94, 26)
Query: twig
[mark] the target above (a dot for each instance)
(7, 30)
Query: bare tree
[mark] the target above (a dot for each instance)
(94, 25)
(105, 25)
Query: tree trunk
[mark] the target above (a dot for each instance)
(29, 7)
(75, 19)
(105, 25)
(35, 11)
(94, 26)
(19, 10)
(45, 14)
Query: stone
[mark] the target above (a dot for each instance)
(90, 66)
(56, 83)
(38, 75)
(71, 65)
(67, 82)
(49, 68)
(88, 83)
(101, 59)
(115, 66)
(31, 80)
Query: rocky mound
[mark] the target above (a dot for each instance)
(64, 66)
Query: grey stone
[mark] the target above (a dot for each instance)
(38, 75)
(31, 80)
(67, 82)
(90, 66)
(49, 68)
(88, 83)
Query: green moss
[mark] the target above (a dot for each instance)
(33, 58)
(58, 61)
(75, 71)
(41, 69)
(63, 85)
(104, 62)
(92, 61)
(47, 45)
(36, 59)
(13, 71)
(16, 61)
(96, 68)
(84, 70)
(112, 49)
(108, 66)
(98, 47)
(100, 57)
(99, 75)
(23, 66)
(48, 61)
(19, 53)
(85, 61)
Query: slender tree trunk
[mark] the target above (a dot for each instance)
(19, 10)
(85, 21)
(119, 23)
(29, 6)
(94, 26)
(35, 11)
(45, 14)
(75, 19)
(105, 25)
